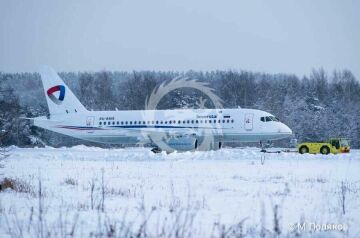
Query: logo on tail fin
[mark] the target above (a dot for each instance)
(52, 90)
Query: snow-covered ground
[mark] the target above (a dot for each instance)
(199, 194)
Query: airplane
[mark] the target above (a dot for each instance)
(166, 130)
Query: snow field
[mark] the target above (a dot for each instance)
(196, 194)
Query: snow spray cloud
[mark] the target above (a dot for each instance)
(181, 128)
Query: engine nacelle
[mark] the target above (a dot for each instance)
(185, 143)
(180, 144)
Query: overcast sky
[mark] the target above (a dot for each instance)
(269, 36)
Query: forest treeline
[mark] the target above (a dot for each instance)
(316, 107)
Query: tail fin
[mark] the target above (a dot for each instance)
(58, 95)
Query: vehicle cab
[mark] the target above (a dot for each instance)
(340, 144)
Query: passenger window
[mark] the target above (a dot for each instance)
(192, 121)
(165, 122)
(130, 122)
(196, 121)
(100, 123)
(232, 121)
(134, 122)
(228, 121)
(122, 123)
(113, 123)
(126, 122)
(223, 121)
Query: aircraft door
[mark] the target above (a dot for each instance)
(249, 121)
(90, 121)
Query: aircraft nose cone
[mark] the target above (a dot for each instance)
(284, 129)
(287, 130)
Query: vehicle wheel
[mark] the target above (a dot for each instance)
(303, 150)
(325, 150)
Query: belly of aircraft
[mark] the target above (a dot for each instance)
(122, 139)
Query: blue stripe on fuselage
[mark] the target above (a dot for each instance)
(135, 126)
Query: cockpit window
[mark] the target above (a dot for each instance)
(269, 118)
(274, 118)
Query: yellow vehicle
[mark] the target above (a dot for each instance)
(333, 145)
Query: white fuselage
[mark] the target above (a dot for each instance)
(129, 127)
(169, 130)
